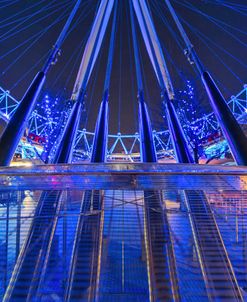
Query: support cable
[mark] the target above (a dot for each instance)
(161, 267)
(202, 37)
(9, 4)
(192, 8)
(88, 237)
(15, 31)
(131, 70)
(16, 126)
(231, 129)
(120, 69)
(180, 143)
(4, 21)
(43, 32)
(65, 148)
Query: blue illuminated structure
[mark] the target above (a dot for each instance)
(16, 126)
(89, 247)
(232, 131)
(164, 197)
(196, 206)
(208, 132)
(160, 255)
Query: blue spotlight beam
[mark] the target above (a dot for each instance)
(14, 130)
(232, 131)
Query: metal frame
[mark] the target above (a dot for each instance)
(124, 147)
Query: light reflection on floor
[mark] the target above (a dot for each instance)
(123, 268)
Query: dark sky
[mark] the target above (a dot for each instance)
(222, 50)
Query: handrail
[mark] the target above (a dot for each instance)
(210, 232)
(25, 257)
(91, 226)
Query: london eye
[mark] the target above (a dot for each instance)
(123, 150)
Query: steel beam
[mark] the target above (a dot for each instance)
(161, 265)
(84, 272)
(65, 147)
(180, 145)
(233, 133)
(231, 129)
(15, 128)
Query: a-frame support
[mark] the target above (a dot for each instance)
(232, 131)
(161, 266)
(196, 201)
(16, 126)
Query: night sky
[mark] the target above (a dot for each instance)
(221, 46)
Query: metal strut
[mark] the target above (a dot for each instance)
(179, 141)
(196, 201)
(32, 261)
(161, 265)
(16, 126)
(84, 272)
(232, 131)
